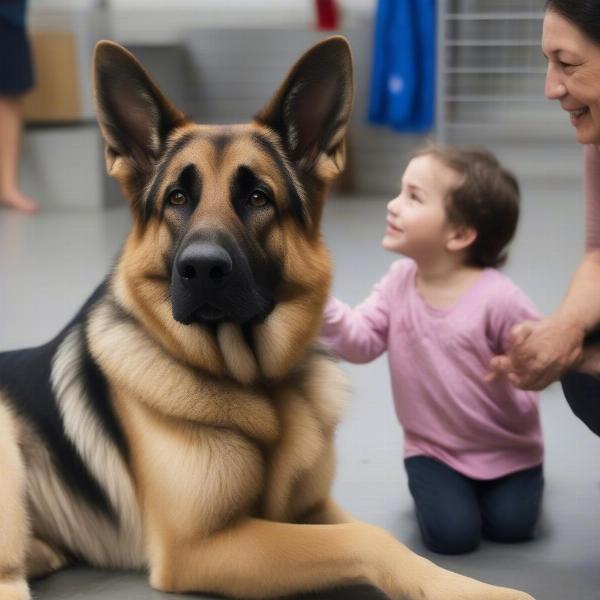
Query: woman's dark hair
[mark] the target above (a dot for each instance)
(584, 14)
(487, 200)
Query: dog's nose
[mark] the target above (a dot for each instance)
(205, 265)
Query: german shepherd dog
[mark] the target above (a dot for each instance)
(183, 421)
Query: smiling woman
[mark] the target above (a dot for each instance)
(561, 345)
(572, 47)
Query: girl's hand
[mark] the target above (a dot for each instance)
(540, 352)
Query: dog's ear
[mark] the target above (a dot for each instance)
(311, 109)
(134, 116)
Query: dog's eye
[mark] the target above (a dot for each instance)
(258, 199)
(177, 198)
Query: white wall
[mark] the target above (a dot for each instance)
(159, 22)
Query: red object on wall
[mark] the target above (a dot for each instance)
(327, 14)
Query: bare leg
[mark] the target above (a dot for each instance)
(10, 150)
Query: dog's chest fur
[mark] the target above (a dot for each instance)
(213, 472)
(203, 452)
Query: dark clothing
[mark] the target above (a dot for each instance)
(583, 395)
(13, 11)
(16, 66)
(454, 511)
(583, 392)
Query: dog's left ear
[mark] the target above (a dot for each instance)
(133, 114)
(311, 109)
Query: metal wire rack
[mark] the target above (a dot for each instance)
(490, 69)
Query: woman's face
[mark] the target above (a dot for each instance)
(573, 75)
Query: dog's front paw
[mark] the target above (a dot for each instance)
(516, 595)
(15, 590)
(497, 593)
(445, 585)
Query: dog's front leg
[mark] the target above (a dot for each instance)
(265, 559)
(327, 512)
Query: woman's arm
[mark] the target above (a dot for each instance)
(541, 352)
(581, 306)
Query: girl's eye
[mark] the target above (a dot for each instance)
(177, 198)
(258, 199)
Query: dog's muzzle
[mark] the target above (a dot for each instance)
(213, 282)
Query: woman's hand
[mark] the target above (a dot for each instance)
(540, 352)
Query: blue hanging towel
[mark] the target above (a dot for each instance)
(403, 73)
(424, 116)
(394, 70)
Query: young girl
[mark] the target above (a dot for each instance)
(473, 445)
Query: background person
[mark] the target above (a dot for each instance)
(16, 78)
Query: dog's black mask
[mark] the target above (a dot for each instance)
(213, 280)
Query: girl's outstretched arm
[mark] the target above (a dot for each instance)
(360, 334)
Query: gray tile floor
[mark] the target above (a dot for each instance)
(48, 265)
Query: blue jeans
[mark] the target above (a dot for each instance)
(454, 511)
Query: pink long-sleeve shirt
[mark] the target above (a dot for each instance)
(438, 360)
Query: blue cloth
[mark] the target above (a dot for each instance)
(454, 511)
(403, 72)
(13, 12)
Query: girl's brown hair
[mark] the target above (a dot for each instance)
(487, 200)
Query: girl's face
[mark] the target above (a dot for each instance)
(417, 223)
(573, 74)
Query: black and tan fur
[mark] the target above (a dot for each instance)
(183, 422)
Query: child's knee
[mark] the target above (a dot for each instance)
(510, 526)
(451, 537)
(510, 532)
